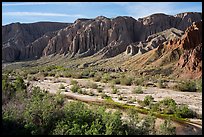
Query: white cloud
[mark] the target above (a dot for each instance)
(39, 3)
(143, 9)
(40, 14)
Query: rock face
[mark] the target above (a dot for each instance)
(17, 36)
(185, 54)
(191, 59)
(153, 41)
(99, 36)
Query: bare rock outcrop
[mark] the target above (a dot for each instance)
(110, 37)
(191, 59)
(153, 41)
(99, 36)
(179, 57)
(17, 36)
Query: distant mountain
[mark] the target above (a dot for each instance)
(86, 37)
(181, 57)
(17, 36)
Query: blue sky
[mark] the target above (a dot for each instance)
(27, 12)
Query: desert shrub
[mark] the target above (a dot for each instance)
(45, 74)
(75, 88)
(138, 126)
(199, 85)
(137, 90)
(104, 96)
(114, 90)
(116, 81)
(93, 85)
(57, 75)
(138, 81)
(61, 86)
(133, 100)
(59, 98)
(132, 123)
(33, 71)
(148, 100)
(92, 74)
(19, 84)
(106, 78)
(80, 91)
(126, 81)
(166, 128)
(77, 75)
(130, 100)
(73, 82)
(85, 73)
(168, 106)
(160, 84)
(97, 78)
(155, 107)
(148, 125)
(184, 112)
(189, 86)
(51, 74)
(67, 74)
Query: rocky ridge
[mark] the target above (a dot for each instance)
(99, 36)
(183, 55)
(16, 37)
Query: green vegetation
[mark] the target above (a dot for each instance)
(199, 85)
(93, 85)
(38, 112)
(126, 81)
(138, 81)
(169, 106)
(166, 128)
(73, 82)
(116, 81)
(77, 75)
(189, 86)
(67, 74)
(106, 77)
(75, 88)
(97, 78)
(148, 100)
(114, 90)
(161, 84)
(137, 90)
(184, 111)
